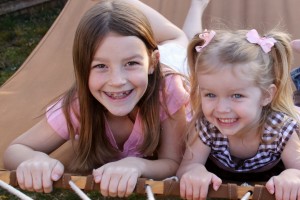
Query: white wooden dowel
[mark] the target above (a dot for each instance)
(247, 195)
(150, 195)
(78, 191)
(14, 191)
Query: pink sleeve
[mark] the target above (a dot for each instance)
(176, 95)
(57, 120)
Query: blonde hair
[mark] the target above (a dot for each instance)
(230, 48)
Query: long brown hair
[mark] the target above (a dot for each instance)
(94, 148)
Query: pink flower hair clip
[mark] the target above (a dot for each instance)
(266, 43)
(207, 36)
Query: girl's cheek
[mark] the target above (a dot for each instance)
(207, 107)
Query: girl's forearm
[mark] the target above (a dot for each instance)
(158, 169)
(15, 154)
(183, 168)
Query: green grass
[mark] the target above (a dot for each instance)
(20, 33)
(61, 194)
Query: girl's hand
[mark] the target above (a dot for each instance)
(194, 183)
(286, 185)
(118, 179)
(37, 174)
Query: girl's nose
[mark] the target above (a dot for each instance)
(118, 77)
(223, 106)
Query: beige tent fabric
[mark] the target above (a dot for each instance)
(262, 15)
(48, 72)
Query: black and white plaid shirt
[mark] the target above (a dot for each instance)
(279, 127)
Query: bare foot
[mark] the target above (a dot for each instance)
(202, 4)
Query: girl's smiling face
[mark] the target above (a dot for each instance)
(119, 73)
(230, 100)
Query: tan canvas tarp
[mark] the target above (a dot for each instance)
(47, 72)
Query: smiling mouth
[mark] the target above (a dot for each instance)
(227, 120)
(118, 95)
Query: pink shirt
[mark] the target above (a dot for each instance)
(176, 97)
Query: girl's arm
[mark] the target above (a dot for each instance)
(287, 184)
(196, 153)
(28, 155)
(171, 148)
(291, 153)
(164, 30)
(194, 177)
(119, 178)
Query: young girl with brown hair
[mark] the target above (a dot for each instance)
(124, 107)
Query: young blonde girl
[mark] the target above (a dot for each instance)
(123, 108)
(245, 125)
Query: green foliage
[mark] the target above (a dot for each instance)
(20, 33)
(61, 194)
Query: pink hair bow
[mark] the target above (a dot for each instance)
(207, 36)
(266, 43)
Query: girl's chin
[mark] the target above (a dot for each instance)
(120, 112)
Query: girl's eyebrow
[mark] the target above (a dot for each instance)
(98, 59)
(136, 56)
(230, 90)
(201, 88)
(241, 89)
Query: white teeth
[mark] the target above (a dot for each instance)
(228, 120)
(118, 95)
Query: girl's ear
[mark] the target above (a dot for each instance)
(269, 95)
(154, 61)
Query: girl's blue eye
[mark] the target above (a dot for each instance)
(237, 96)
(210, 95)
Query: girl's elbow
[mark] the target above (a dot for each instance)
(8, 158)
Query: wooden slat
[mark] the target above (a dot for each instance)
(80, 181)
(5, 176)
(158, 187)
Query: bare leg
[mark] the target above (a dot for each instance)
(193, 21)
(295, 74)
(296, 48)
(296, 45)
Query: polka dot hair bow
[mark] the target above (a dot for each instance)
(266, 43)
